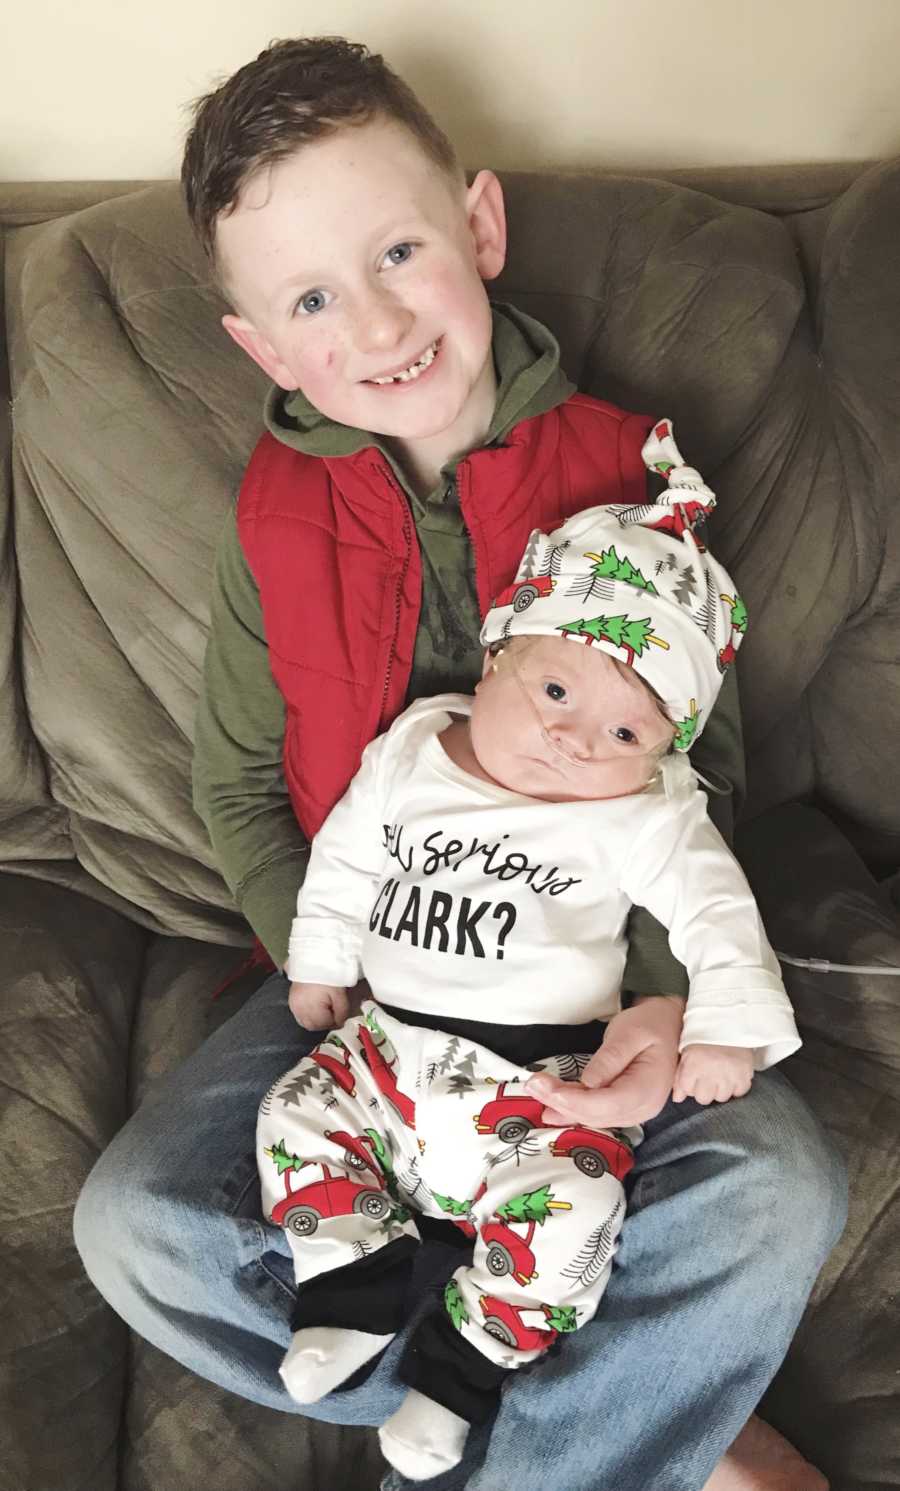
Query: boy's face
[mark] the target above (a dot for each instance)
(357, 265)
(565, 722)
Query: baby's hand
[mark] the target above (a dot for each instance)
(713, 1074)
(318, 1006)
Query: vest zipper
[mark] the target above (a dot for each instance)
(399, 588)
(463, 466)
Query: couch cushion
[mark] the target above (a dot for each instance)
(30, 825)
(855, 698)
(135, 414)
(818, 900)
(182, 1433)
(783, 391)
(71, 978)
(134, 417)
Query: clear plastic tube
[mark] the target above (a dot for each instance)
(822, 965)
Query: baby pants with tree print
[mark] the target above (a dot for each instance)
(383, 1120)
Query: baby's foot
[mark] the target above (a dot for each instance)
(761, 1460)
(321, 1357)
(422, 1438)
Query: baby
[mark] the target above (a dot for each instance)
(479, 872)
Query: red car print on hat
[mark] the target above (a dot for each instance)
(523, 593)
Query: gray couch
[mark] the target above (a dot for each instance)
(762, 312)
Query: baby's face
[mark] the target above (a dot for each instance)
(565, 722)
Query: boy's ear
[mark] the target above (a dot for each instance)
(256, 346)
(486, 212)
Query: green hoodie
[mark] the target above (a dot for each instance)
(447, 655)
(240, 790)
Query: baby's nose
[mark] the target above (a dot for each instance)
(578, 741)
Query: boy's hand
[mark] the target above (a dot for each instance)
(630, 1077)
(318, 1006)
(713, 1074)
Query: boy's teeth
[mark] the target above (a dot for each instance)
(412, 372)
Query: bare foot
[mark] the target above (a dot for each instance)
(760, 1460)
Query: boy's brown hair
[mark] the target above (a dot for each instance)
(293, 92)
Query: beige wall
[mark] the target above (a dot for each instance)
(97, 88)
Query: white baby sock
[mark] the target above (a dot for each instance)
(422, 1438)
(323, 1356)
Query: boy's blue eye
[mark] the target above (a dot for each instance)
(312, 301)
(555, 691)
(399, 253)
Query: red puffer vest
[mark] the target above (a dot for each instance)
(331, 544)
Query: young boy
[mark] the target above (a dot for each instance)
(478, 872)
(415, 439)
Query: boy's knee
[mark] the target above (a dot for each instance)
(101, 1223)
(825, 1195)
(123, 1227)
(806, 1175)
(775, 1182)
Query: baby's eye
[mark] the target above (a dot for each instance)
(399, 253)
(555, 691)
(313, 301)
(622, 732)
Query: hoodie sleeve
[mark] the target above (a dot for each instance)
(345, 865)
(240, 790)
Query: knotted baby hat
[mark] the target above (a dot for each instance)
(638, 583)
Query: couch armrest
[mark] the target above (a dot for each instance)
(818, 900)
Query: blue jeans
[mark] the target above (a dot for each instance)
(732, 1212)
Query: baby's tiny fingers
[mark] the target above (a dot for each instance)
(340, 1006)
(682, 1087)
(704, 1092)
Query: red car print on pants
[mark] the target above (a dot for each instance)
(302, 1210)
(385, 1080)
(359, 1151)
(594, 1152)
(337, 1067)
(507, 1252)
(511, 1117)
(504, 1322)
(726, 656)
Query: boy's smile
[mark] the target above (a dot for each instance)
(413, 371)
(357, 266)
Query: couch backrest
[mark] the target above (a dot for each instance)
(769, 337)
